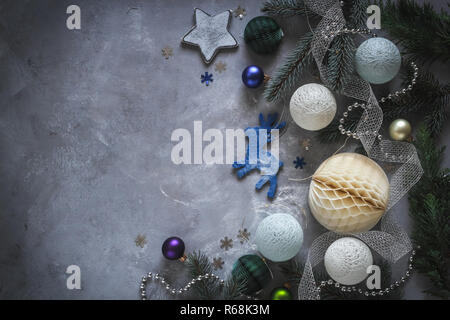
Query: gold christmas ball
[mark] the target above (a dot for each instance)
(400, 130)
(349, 193)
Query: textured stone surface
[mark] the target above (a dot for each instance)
(85, 126)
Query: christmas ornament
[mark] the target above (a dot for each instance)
(173, 248)
(218, 263)
(346, 261)
(240, 12)
(243, 235)
(167, 52)
(299, 162)
(400, 129)
(206, 78)
(253, 76)
(279, 237)
(377, 60)
(263, 34)
(210, 34)
(251, 270)
(220, 66)
(281, 294)
(269, 165)
(226, 243)
(140, 241)
(312, 106)
(348, 193)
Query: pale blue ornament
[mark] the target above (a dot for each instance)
(377, 60)
(279, 237)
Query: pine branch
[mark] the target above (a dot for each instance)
(423, 33)
(285, 8)
(233, 288)
(430, 210)
(357, 15)
(198, 264)
(339, 61)
(290, 72)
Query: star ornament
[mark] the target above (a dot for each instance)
(210, 34)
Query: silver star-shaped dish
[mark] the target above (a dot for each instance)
(210, 34)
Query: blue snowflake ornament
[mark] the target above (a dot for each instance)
(299, 162)
(267, 164)
(206, 78)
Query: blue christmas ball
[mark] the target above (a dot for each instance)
(253, 76)
(377, 60)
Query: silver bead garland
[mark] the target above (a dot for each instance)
(157, 277)
(390, 96)
(373, 293)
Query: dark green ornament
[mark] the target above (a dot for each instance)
(281, 294)
(263, 34)
(251, 270)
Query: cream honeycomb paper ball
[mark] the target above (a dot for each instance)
(312, 106)
(348, 193)
(279, 237)
(346, 261)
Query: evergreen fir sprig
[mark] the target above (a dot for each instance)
(339, 58)
(290, 72)
(430, 210)
(285, 8)
(211, 289)
(423, 33)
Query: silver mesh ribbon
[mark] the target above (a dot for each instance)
(391, 242)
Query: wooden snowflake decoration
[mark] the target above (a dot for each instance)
(217, 263)
(226, 243)
(240, 12)
(140, 241)
(220, 66)
(167, 52)
(243, 235)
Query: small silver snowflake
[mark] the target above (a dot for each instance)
(167, 52)
(226, 243)
(243, 235)
(218, 263)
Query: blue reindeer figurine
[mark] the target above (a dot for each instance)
(257, 157)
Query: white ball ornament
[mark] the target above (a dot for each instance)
(346, 261)
(279, 237)
(348, 193)
(377, 60)
(312, 106)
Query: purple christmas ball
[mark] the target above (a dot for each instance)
(173, 248)
(253, 76)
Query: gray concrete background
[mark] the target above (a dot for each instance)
(85, 124)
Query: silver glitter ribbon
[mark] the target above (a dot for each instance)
(391, 242)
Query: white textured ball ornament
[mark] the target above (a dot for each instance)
(279, 237)
(377, 60)
(312, 106)
(349, 193)
(346, 261)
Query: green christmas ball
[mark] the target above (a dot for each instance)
(263, 34)
(251, 270)
(281, 294)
